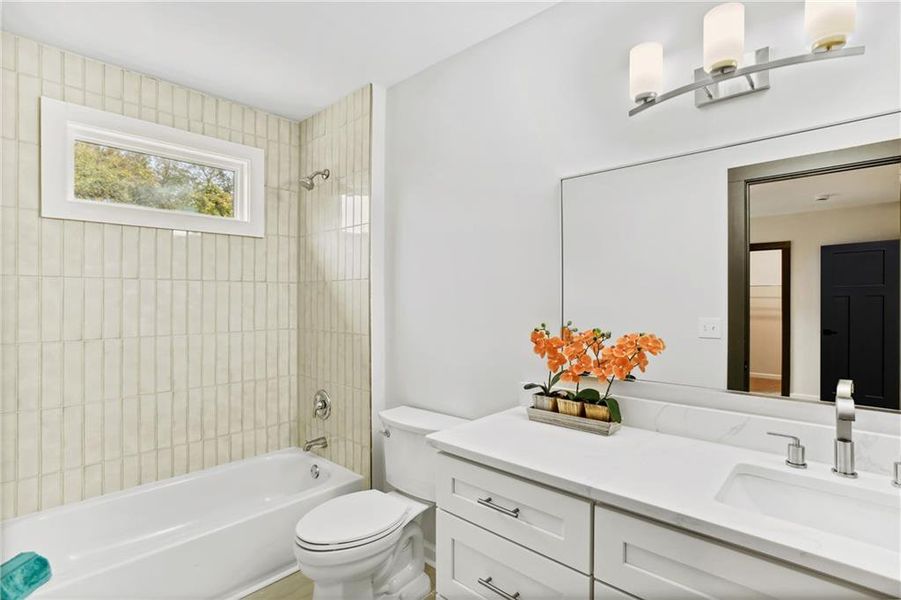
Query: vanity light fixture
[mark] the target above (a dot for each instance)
(722, 76)
(828, 24)
(724, 37)
(645, 71)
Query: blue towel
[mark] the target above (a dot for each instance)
(23, 574)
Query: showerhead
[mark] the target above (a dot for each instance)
(309, 182)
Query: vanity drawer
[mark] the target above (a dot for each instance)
(474, 563)
(546, 521)
(602, 591)
(651, 560)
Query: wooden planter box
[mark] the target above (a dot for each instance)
(577, 423)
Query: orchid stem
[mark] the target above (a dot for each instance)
(609, 385)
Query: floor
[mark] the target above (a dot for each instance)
(766, 386)
(298, 587)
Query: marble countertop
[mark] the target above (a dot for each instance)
(674, 480)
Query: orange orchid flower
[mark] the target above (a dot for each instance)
(574, 353)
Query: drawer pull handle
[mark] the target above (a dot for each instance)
(510, 513)
(487, 583)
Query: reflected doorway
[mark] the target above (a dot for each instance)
(769, 305)
(840, 211)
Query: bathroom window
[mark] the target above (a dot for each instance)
(109, 174)
(99, 166)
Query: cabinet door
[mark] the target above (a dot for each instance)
(652, 561)
(547, 521)
(475, 563)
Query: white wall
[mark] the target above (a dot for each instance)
(807, 232)
(765, 267)
(477, 143)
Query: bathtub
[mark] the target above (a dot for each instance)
(218, 533)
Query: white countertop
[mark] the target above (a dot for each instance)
(674, 480)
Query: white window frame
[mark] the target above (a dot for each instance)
(64, 123)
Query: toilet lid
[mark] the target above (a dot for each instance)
(351, 518)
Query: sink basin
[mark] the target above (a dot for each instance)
(844, 508)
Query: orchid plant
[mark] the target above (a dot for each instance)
(574, 354)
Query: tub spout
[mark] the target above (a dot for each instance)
(319, 442)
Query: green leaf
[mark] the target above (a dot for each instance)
(613, 405)
(534, 386)
(589, 395)
(556, 378)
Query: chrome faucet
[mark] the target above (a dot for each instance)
(795, 451)
(319, 442)
(844, 417)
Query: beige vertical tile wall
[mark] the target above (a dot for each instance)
(133, 354)
(333, 289)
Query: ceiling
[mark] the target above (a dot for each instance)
(875, 185)
(289, 58)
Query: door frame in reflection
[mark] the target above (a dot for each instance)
(740, 180)
(785, 251)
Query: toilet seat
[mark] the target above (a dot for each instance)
(351, 521)
(347, 545)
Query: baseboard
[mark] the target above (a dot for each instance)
(772, 376)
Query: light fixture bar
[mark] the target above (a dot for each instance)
(756, 82)
(707, 81)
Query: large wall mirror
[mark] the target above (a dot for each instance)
(769, 267)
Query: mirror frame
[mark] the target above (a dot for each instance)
(740, 180)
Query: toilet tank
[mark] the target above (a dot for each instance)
(409, 459)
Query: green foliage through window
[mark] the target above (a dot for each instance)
(108, 174)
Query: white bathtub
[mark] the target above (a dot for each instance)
(218, 533)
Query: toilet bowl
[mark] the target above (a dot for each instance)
(364, 545)
(369, 544)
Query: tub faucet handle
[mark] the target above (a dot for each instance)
(322, 405)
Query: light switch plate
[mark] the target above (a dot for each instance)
(710, 327)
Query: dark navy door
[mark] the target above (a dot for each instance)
(859, 318)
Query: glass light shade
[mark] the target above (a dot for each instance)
(724, 37)
(828, 24)
(645, 71)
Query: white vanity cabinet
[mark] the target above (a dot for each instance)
(475, 563)
(501, 537)
(651, 560)
(548, 521)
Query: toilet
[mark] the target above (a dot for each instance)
(369, 545)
